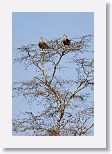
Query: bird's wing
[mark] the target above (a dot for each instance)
(45, 46)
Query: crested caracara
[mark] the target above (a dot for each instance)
(66, 41)
(42, 44)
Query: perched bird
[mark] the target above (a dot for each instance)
(42, 44)
(66, 41)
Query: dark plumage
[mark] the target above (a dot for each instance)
(42, 44)
(66, 41)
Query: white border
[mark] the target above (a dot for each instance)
(99, 9)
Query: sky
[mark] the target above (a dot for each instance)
(28, 27)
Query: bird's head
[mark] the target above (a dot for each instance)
(41, 40)
(64, 37)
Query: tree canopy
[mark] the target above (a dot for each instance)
(63, 86)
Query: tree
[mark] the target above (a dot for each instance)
(63, 86)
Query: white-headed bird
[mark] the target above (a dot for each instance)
(66, 41)
(42, 44)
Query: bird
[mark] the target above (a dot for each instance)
(66, 41)
(42, 44)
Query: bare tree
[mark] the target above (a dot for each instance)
(63, 85)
